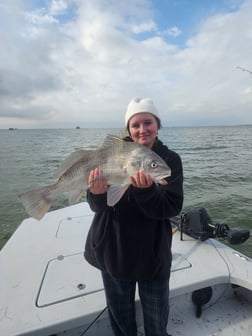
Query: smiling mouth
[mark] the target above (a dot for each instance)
(144, 135)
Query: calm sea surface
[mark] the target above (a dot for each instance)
(217, 169)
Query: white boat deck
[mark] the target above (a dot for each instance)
(46, 286)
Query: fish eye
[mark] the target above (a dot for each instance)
(154, 164)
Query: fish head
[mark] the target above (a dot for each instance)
(151, 163)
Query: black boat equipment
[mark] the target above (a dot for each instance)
(197, 224)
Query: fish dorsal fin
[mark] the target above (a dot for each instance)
(113, 140)
(115, 193)
(70, 161)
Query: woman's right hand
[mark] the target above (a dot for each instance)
(97, 183)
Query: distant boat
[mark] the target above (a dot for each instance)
(12, 129)
(77, 127)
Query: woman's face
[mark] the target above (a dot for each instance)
(143, 128)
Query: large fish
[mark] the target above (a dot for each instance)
(118, 160)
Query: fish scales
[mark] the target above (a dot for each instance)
(118, 160)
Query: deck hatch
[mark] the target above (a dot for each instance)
(179, 262)
(66, 278)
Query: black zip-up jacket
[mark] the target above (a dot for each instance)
(132, 240)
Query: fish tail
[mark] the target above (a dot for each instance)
(37, 202)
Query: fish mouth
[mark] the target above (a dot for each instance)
(162, 180)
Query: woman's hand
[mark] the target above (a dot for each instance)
(97, 183)
(141, 180)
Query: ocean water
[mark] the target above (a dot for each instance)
(217, 165)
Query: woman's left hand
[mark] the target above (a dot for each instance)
(141, 180)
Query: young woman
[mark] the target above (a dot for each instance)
(131, 241)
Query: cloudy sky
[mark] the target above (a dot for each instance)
(65, 63)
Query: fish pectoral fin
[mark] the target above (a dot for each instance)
(74, 196)
(115, 193)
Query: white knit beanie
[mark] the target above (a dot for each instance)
(139, 105)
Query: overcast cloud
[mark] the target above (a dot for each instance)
(70, 62)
